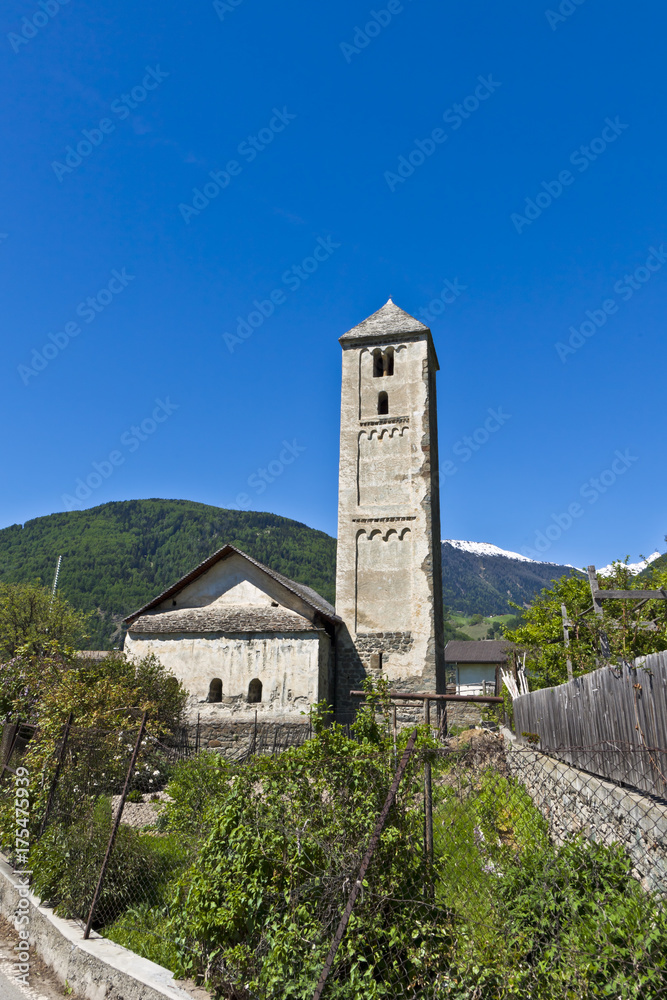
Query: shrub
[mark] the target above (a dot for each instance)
(66, 862)
(261, 905)
(532, 919)
(584, 923)
(196, 788)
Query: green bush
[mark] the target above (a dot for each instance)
(584, 923)
(143, 929)
(262, 902)
(66, 863)
(195, 789)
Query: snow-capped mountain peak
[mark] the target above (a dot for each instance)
(485, 549)
(634, 568)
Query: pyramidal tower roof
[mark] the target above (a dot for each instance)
(389, 321)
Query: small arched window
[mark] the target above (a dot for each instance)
(215, 690)
(383, 403)
(254, 691)
(383, 363)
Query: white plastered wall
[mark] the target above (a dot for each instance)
(292, 667)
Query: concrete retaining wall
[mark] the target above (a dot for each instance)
(96, 969)
(574, 801)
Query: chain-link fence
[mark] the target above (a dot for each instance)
(347, 868)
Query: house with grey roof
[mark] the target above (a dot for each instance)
(474, 666)
(241, 638)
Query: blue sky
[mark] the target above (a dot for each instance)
(539, 200)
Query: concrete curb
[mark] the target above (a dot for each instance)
(96, 969)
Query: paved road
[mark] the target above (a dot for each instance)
(8, 991)
(11, 989)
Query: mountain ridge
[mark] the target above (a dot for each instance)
(119, 555)
(490, 582)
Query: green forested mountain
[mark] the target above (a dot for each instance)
(118, 556)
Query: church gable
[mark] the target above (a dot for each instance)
(229, 579)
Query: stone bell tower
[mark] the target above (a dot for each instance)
(388, 581)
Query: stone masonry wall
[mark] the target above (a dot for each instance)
(574, 801)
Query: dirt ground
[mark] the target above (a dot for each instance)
(43, 985)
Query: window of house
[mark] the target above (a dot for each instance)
(255, 691)
(383, 403)
(215, 690)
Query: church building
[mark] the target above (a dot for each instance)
(243, 638)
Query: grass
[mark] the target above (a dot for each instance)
(143, 930)
(462, 622)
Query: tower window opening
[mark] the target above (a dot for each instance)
(383, 403)
(383, 363)
(215, 690)
(254, 691)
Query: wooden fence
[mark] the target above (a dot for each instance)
(612, 722)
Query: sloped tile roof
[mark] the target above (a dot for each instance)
(311, 597)
(388, 321)
(229, 618)
(477, 651)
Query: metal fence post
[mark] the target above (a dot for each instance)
(56, 776)
(115, 825)
(356, 888)
(428, 793)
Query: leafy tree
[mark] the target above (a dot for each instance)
(541, 632)
(107, 698)
(42, 679)
(33, 623)
(476, 620)
(451, 632)
(111, 692)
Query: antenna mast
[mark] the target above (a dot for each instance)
(55, 579)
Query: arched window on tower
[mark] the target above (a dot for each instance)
(383, 403)
(383, 362)
(215, 690)
(254, 691)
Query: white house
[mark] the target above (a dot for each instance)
(241, 638)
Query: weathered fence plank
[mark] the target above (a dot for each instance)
(612, 722)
